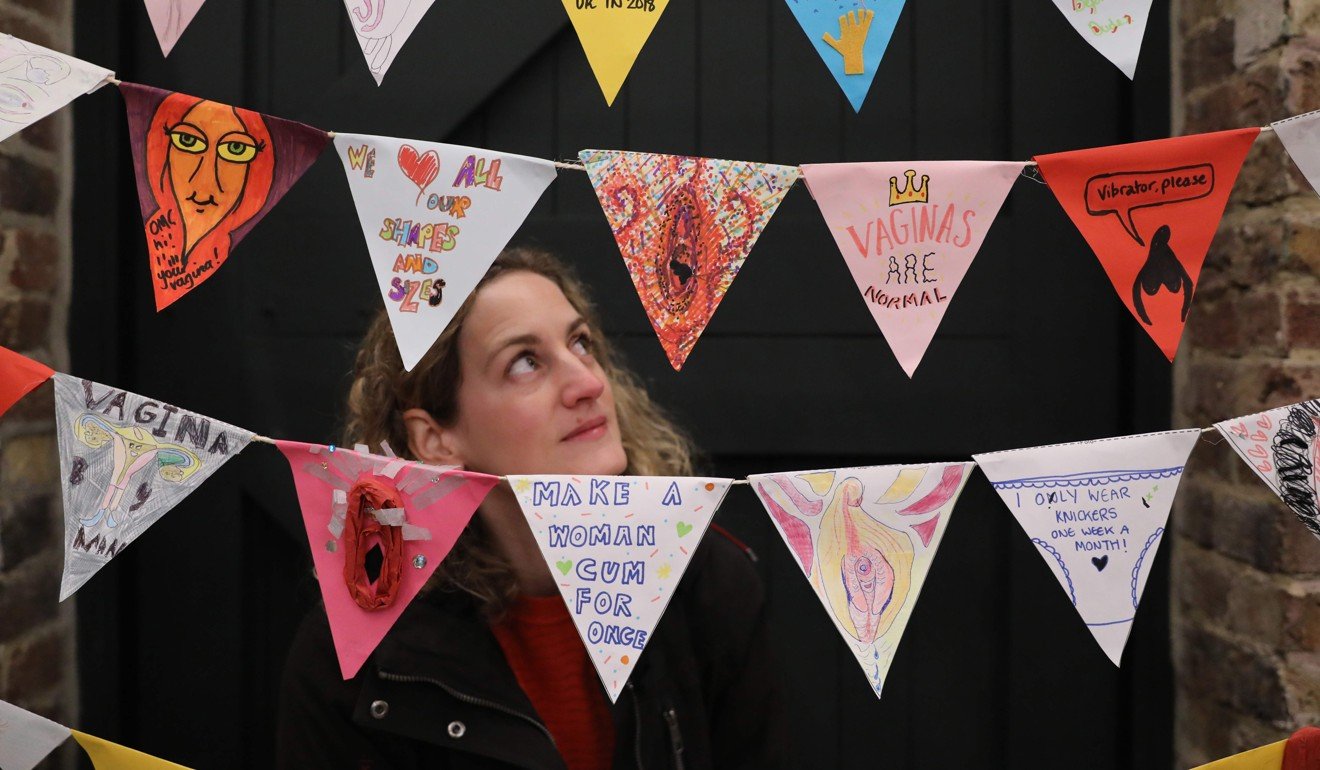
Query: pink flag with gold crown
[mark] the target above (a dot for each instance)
(357, 506)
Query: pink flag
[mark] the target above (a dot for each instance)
(908, 232)
(353, 503)
(169, 18)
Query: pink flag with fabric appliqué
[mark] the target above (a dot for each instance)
(684, 226)
(355, 503)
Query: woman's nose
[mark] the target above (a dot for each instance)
(583, 382)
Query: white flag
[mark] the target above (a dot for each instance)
(435, 216)
(617, 547)
(125, 461)
(382, 27)
(1096, 511)
(1115, 28)
(865, 539)
(36, 81)
(1281, 448)
(1301, 138)
(26, 738)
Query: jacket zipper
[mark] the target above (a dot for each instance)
(675, 737)
(471, 699)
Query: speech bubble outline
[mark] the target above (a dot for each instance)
(1141, 178)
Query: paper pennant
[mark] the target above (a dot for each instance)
(1115, 28)
(909, 231)
(352, 502)
(26, 738)
(1268, 757)
(865, 538)
(1281, 448)
(612, 34)
(382, 27)
(125, 461)
(1149, 211)
(1096, 511)
(684, 226)
(206, 174)
(1301, 138)
(851, 37)
(435, 216)
(36, 81)
(111, 756)
(617, 547)
(169, 18)
(19, 375)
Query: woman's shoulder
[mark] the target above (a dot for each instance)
(722, 582)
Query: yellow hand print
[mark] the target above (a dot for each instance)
(853, 28)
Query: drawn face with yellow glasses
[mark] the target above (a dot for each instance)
(210, 155)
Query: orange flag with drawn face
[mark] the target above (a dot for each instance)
(1149, 211)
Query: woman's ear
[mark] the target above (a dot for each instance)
(428, 441)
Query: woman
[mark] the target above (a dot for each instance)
(485, 669)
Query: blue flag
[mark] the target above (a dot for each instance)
(851, 37)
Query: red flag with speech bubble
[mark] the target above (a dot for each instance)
(1149, 211)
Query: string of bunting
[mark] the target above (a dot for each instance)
(865, 538)
(207, 172)
(851, 36)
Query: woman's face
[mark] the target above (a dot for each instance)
(533, 398)
(210, 150)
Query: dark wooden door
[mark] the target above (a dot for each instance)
(183, 636)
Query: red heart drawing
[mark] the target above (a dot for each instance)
(422, 168)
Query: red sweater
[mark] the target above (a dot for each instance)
(546, 654)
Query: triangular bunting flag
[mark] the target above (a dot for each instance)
(684, 226)
(206, 174)
(36, 81)
(617, 547)
(865, 538)
(1301, 138)
(1267, 757)
(382, 27)
(1149, 211)
(1280, 446)
(27, 738)
(1115, 28)
(435, 216)
(111, 756)
(169, 18)
(612, 33)
(908, 232)
(851, 37)
(19, 375)
(125, 461)
(1096, 511)
(353, 502)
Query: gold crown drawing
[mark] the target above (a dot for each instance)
(912, 193)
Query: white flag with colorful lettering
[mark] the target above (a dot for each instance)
(1115, 28)
(435, 216)
(1096, 511)
(617, 547)
(125, 461)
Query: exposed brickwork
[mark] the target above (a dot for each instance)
(36, 631)
(1246, 587)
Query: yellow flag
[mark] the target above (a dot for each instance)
(613, 33)
(111, 756)
(1268, 757)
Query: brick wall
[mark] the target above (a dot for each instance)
(36, 632)
(1246, 574)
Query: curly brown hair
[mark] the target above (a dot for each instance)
(382, 390)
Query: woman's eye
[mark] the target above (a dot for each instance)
(237, 152)
(522, 364)
(190, 143)
(582, 345)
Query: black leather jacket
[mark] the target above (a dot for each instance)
(438, 692)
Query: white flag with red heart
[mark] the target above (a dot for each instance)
(435, 216)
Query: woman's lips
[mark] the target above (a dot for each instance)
(589, 430)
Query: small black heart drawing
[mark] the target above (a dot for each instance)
(1100, 562)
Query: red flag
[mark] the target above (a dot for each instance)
(18, 376)
(1149, 211)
